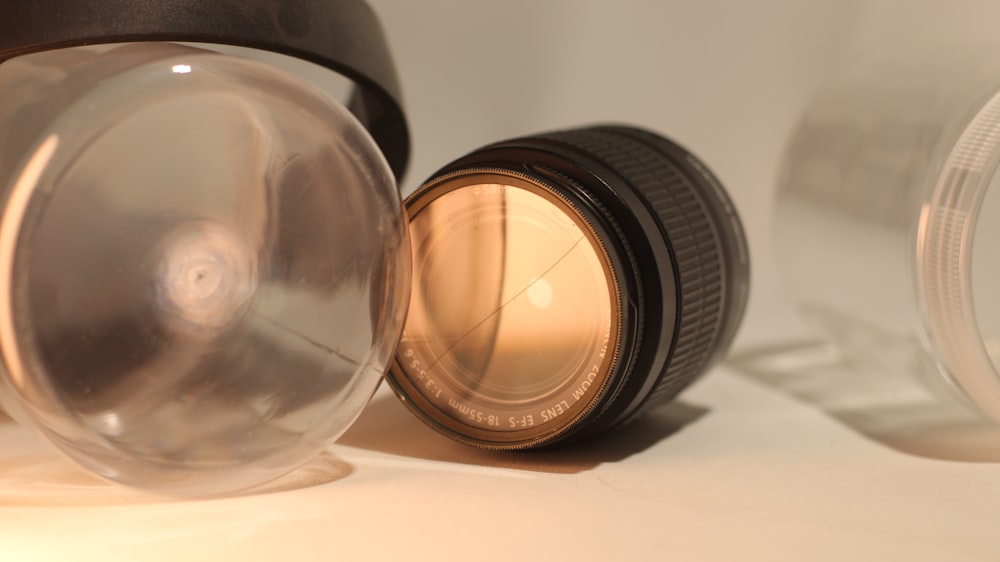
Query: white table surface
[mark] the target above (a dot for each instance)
(742, 468)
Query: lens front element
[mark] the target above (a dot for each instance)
(513, 320)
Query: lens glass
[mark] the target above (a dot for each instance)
(513, 313)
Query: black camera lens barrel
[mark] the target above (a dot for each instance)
(344, 36)
(679, 254)
(675, 213)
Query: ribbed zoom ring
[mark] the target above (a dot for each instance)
(678, 203)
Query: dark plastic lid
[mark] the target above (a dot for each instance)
(344, 36)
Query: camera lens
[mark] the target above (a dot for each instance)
(564, 283)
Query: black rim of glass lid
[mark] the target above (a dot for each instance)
(344, 36)
(678, 254)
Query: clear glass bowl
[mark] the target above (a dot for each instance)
(203, 263)
(886, 217)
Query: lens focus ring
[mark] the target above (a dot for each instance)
(691, 235)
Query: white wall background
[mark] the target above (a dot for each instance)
(726, 78)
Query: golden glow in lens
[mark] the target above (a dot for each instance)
(513, 310)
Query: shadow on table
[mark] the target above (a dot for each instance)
(32, 474)
(386, 426)
(890, 408)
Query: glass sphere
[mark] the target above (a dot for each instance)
(203, 263)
